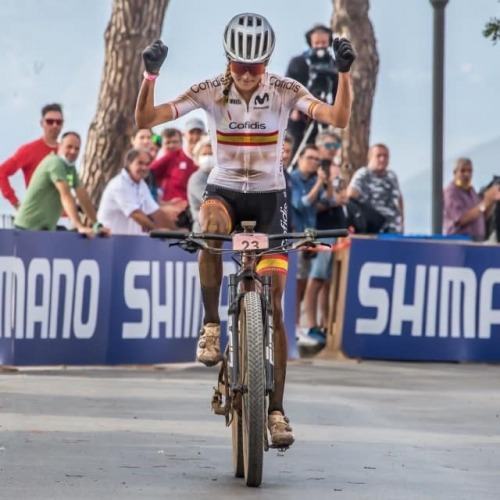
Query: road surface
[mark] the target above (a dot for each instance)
(369, 430)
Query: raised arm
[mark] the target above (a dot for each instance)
(339, 113)
(148, 115)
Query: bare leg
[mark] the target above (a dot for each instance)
(280, 344)
(324, 296)
(213, 219)
(210, 268)
(301, 287)
(311, 301)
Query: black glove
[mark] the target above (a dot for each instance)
(344, 54)
(153, 56)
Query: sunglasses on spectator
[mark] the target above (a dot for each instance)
(241, 68)
(53, 121)
(332, 145)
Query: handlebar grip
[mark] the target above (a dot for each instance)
(330, 233)
(167, 234)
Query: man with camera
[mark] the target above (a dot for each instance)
(317, 70)
(332, 216)
(464, 210)
(310, 189)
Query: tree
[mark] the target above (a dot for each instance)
(133, 25)
(492, 29)
(350, 19)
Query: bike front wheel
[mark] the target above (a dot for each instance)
(254, 387)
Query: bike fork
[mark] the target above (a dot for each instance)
(233, 340)
(267, 310)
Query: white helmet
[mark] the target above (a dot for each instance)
(249, 38)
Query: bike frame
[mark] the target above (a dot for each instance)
(245, 280)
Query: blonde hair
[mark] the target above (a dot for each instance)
(228, 81)
(204, 141)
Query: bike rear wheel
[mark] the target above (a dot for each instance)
(237, 434)
(253, 379)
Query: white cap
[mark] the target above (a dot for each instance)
(193, 123)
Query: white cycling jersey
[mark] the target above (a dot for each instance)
(247, 139)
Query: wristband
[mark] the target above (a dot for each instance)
(96, 226)
(150, 76)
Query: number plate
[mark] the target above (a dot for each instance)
(250, 241)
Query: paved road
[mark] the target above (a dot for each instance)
(370, 430)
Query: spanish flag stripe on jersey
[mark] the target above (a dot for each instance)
(248, 139)
(238, 134)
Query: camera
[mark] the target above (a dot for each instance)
(322, 73)
(339, 184)
(325, 165)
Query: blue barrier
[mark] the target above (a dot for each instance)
(65, 299)
(432, 237)
(420, 300)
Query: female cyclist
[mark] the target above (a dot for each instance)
(247, 111)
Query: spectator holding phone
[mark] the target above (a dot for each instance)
(463, 209)
(310, 188)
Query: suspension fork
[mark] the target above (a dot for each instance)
(267, 309)
(234, 345)
(239, 284)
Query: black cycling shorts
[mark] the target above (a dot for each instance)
(269, 210)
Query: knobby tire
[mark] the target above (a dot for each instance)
(253, 378)
(237, 437)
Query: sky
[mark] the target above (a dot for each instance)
(53, 50)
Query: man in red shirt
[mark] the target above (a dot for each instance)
(29, 155)
(173, 169)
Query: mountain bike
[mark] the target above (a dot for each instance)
(246, 375)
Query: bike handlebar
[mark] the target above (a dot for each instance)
(309, 233)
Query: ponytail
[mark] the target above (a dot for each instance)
(228, 81)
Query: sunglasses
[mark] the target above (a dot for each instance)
(53, 121)
(241, 68)
(332, 145)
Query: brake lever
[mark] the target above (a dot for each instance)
(305, 242)
(193, 245)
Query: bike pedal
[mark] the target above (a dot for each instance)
(281, 449)
(217, 406)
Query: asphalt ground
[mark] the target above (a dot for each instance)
(369, 430)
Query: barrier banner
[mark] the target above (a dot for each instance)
(418, 300)
(55, 305)
(7, 248)
(65, 299)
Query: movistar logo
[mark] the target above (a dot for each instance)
(247, 125)
(261, 100)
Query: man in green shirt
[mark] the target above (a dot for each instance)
(49, 193)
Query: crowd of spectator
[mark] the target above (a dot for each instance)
(149, 192)
(163, 179)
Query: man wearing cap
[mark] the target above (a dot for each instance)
(193, 131)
